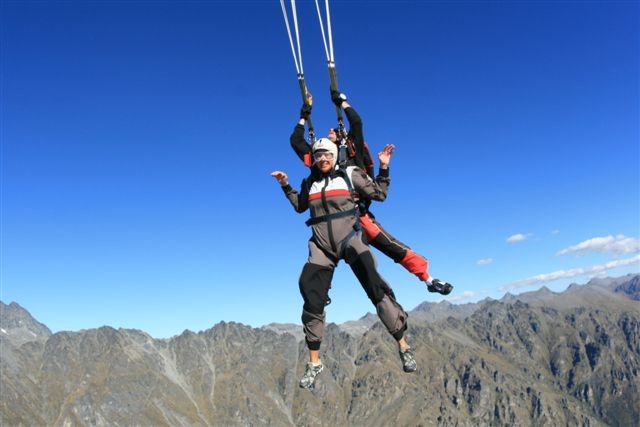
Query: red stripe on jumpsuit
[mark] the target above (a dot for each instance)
(330, 193)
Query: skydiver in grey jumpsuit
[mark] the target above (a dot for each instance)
(331, 194)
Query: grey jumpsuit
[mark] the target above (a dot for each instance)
(337, 235)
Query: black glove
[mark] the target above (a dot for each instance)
(337, 97)
(305, 111)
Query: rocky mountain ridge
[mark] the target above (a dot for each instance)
(540, 358)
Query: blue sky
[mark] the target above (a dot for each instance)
(138, 138)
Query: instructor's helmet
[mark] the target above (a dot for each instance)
(325, 144)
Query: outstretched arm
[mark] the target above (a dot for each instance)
(281, 177)
(299, 201)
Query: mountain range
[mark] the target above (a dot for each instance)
(536, 359)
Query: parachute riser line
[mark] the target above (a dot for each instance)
(297, 59)
(341, 133)
(286, 23)
(333, 79)
(328, 47)
(304, 92)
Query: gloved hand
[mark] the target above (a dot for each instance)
(305, 111)
(337, 97)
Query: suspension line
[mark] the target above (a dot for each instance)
(297, 59)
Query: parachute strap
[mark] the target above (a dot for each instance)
(328, 48)
(344, 174)
(331, 216)
(333, 83)
(307, 99)
(286, 22)
(297, 59)
(342, 154)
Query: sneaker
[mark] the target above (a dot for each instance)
(440, 287)
(408, 360)
(309, 378)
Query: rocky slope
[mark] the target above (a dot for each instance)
(541, 359)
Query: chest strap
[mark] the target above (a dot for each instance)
(329, 217)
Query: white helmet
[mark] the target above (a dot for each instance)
(325, 144)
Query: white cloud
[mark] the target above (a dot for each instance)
(518, 238)
(485, 261)
(463, 296)
(555, 232)
(617, 245)
(565, 274)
